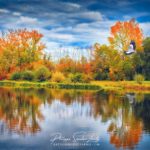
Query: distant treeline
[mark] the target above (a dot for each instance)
(22, 58)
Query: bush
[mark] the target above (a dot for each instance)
(58, 77)
(77, 77)
(28, 75)
(101, 75)
(16, 76)
(42, 74)
(87, 78)
(139, 78)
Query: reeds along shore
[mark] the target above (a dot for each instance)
(50, 85)
(94, 85)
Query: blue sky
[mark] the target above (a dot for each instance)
(72, 23)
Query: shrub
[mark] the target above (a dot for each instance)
(87, 78)
(58, 77)
(42, 74)
(139, 78)
(77, 77)
(101, 75)
(28, 75)
(16, 76)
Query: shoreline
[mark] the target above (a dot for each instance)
(94, 85)
(52, 85)
(123, 85)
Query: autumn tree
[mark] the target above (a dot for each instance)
(66, 65)
(83, 65)
(123, 32)
(19, 48)
(108, 64)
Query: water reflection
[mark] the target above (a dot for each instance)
(125, 117)
(20, 111)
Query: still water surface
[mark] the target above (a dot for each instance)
(47, 119)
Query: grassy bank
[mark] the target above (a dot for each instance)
(94, 85)
(123, 85)
(49, 85)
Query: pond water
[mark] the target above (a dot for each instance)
(47, 119)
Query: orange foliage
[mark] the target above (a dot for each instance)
(87, 68)
(123, 32)
(71, 66)
(129, 139)
(20, 40)
(19, 48)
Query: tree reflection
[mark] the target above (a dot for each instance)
(126, 135)
(142, 111)
(126, 130)
(128, 115)
(20, 111)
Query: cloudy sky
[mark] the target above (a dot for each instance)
(72, 23)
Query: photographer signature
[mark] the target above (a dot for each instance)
(76, 137)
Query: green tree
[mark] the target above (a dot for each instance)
(18, 49)
(146, 57)
(110, 63)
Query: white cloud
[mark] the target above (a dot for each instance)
(16, 13)
(22, 22)
(27, 20)
(146, 28)
(135, 15)
(125, 3)
(73, 5)
(89, 33)
(4, 11)
(50, 45)
(90, 15)
(60, 36)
